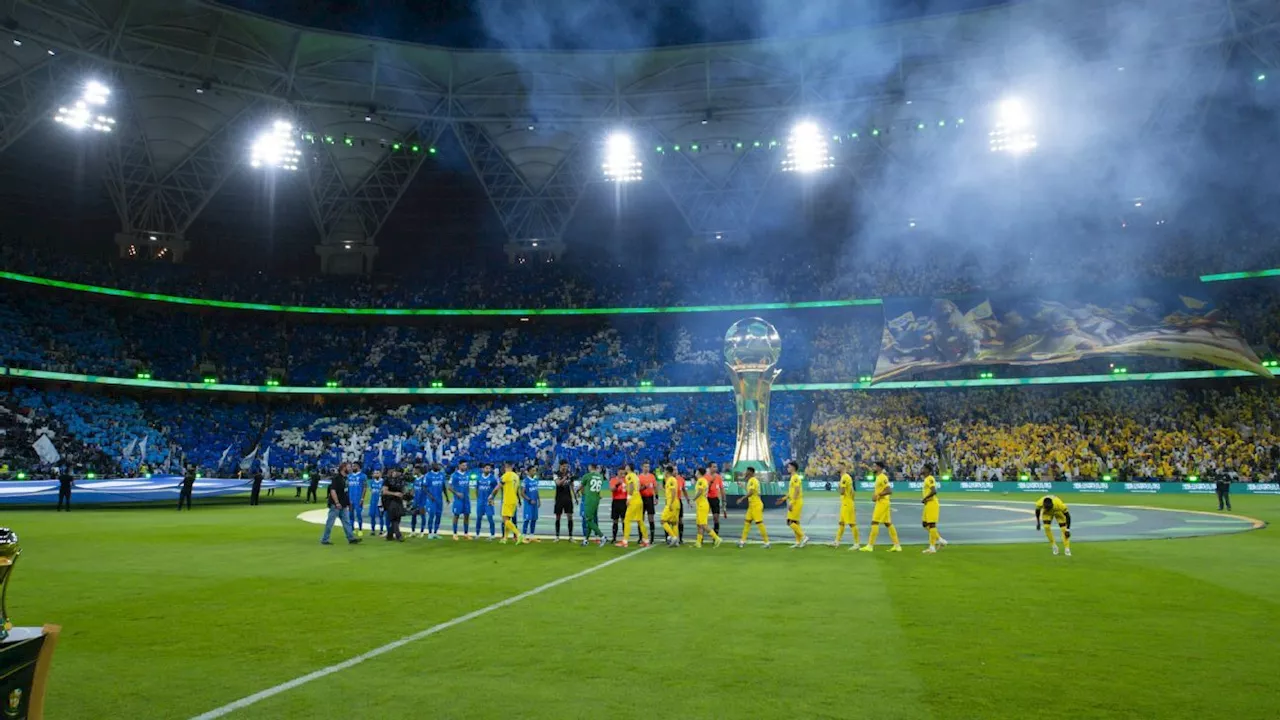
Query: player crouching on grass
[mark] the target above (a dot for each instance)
(1051, 508)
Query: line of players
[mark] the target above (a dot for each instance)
(471, 493)
(634, 500)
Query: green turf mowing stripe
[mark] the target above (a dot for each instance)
(257, 697)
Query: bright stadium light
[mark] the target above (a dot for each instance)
(88, 111)
(620, 161)
(1011, 130)
(807, 149)
(276, 147)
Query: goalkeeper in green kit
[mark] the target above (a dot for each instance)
(589, 488)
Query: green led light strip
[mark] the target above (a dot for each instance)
(1219, 277)
(505, 312)
(646, 390)
(421, 312)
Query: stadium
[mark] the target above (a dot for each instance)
(952, 284)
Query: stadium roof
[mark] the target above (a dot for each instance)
(196, 81)
(573, 25)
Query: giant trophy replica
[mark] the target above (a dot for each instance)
(751, 351)
(9, 552)
(25, 652)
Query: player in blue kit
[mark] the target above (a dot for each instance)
(376, 516)
(529, 496)
(460, 486)
(356, 480)
(485, 485)
(437, 494)
(421, 508)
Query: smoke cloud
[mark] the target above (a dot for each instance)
(1148, 134)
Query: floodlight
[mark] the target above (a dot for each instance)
(807, 149)
(276, 147)
(620, 161)
(83, 113)
(1011, 131)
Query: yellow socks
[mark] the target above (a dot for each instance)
(746, 530)
(893, 534)
(871, 537)
(508, 525)
(933, 536)
(671, 529)
(1066, 538)
(839, 533)
(855, 534)
(795, 528)
(764, 534)
(1048, 532)
(714, 536)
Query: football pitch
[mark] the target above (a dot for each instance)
(238, 612)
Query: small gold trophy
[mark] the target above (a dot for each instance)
(9, 552)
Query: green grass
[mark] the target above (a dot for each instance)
(168, 615)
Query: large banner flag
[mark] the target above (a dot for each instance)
(1056, 327)
(46, 451)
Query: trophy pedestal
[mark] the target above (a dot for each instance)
(25, 657)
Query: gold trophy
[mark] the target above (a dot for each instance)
(9, 552)
(751, 351)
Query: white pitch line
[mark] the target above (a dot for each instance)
(257, 697)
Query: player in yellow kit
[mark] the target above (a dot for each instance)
(755, 510)
(929, 518)
(671, 508)
(795, 503)
(848, 516)
(635, 509)
(1049, 509)
(702, 508)
(882, 515)
(510, 499)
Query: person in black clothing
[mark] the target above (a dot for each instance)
(188, 483)
(314, 480)
(257, 487)
(64, 489)
(339, 509)
(1223, 486)
(393, 504)
(564, 498)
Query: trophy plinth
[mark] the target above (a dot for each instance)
(751, 351)
(9, 552)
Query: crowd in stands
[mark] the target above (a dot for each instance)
(80, 333)
(111, 434)
(1140, 431)
(913, 265)
(1153, 431)
(1149, 431)
(72, 332)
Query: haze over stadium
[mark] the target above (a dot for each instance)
(417, 258)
